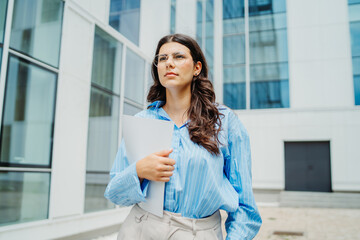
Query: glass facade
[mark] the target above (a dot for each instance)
(26, 138)
(269, 75)
(268, 54)
(36, 29)
(234, 76)
(354, 22)
(125, 18)
(134, 77)
(28, 118)
(205, 31)
(24, 196)
(172, 16)
(103, 119)
(3, 4)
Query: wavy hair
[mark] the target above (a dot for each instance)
(205, 124)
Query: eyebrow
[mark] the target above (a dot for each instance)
(165, 54)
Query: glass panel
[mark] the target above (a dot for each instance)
(102, 147)
(354, 12)
(94, 192)
(24, 197)
(125, 18)
(106, 70)
(233, 9)
(268, 46)
(354, 1)
(172, 16)
(130, 109)
(134, 77)
(267, 22)
(266, 7)
(28, 119)
(357, 89)
(355, 38)
(234, 90)
(36, 29)
(233, 26)
(269, 86)
(0, 57)
(3, 7)
(234, 50)
(199, 22)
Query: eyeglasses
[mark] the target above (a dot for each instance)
(178, 58)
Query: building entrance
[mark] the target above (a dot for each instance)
(307, 166)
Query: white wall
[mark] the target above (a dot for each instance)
(71, 117)
(154, 24)
(98, 8)
(319, 54)
(269, 129)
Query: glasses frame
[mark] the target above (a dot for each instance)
(156, 61)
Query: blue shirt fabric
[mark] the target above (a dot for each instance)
(202, 182)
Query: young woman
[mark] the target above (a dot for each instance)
(208, 167)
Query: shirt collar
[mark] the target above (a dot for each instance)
(156, 104)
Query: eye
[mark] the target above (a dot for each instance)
(179, 56)
(162, 58)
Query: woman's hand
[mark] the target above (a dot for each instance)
(156, 166)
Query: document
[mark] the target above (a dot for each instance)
(142, 137)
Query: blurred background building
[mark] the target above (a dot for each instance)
(69, 69)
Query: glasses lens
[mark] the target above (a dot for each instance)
(177, 58)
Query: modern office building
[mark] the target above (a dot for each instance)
(69, 69)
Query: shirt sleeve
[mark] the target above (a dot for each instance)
(124, 187)
(245, 222)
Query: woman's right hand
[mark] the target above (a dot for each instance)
(156, 166)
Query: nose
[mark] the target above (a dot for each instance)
(170, 62)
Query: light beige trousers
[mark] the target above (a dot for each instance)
(142, 225)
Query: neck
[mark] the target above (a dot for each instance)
(177, 102)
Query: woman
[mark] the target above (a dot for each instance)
(208, 167)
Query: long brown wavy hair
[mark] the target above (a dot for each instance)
(205, 124)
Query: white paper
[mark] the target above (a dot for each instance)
(142, 137)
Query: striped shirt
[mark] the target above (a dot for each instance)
(201, 182)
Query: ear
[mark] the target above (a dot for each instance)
(197, 68)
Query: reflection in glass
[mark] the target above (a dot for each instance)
(102, 147)
(130, 109)
(106, 70)
(28, 118)
(36, 29)
(206, 42)
(24, 196)
(134, 77)
(354, 18)
(234, 87)
(172, 16)
(3, 8)
(125, 18)
(269, 87)
(234, 90)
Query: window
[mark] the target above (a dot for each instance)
(354, 18)
(268, 54)
(234, 77)
(205, 31)
(37, 37)
(134, 78)
(26, 142)
(125, 18)
(19, 193)
(28, 118)
(172, 16)
(3, 8)
(103, 119)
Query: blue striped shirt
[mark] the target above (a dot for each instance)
(202, 182)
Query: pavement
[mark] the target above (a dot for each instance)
(287, 223)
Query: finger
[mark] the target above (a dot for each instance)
(169, 161)
(166, 174)
(166, 168)
(164, 153)
(164, 179)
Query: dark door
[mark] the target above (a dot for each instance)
(307, 166)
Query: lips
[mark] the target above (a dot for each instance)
(171, 74)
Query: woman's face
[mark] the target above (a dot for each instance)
(175, 66)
